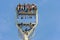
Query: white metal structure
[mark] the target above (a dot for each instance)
(25, 26)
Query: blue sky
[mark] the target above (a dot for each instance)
(49, 19)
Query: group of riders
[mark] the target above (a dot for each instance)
(26, 7)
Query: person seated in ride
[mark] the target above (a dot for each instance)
(33, 7)
(28, 7)
(20, 8)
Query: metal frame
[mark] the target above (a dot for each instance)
(27, 34)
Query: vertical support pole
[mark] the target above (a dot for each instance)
(25, 37)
